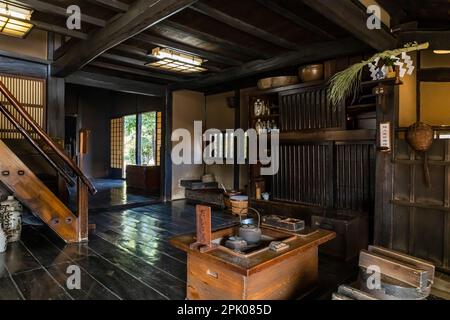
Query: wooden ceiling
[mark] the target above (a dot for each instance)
(238, 38)
(428, 14)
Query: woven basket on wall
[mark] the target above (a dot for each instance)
(420, 137)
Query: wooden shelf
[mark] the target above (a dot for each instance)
(367, 96)
(330, 135)
(291, 87)
(420, 162)
(435, 128)
(272, 116)
(421, 205)
(390, 81)
(362, 107)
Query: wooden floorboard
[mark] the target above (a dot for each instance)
(8, 289)
(122, 283)
(39, 285)
(41, 249)
(128, 257)
(156, 278)
(18, 259)
(91, 289)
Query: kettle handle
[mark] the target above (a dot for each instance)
(252, 209)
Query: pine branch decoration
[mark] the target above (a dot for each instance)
(346, 82)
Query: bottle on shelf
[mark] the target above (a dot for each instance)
(259, 126)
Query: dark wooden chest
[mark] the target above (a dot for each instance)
(352, 233)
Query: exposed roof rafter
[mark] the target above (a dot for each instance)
(310, 53)
(244, 26)
(352, 18)
(112, 4)
(232, 46)
(142, 15)
(115, 83)
(45, 7)
(287, 14)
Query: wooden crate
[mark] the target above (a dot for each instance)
(287, 279)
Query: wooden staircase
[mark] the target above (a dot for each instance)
(29, 189)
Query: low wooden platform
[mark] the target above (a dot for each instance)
(222, 274)
(128, 257)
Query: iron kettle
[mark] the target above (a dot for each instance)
(249, 231)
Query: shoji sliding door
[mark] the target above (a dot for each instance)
(31, 93)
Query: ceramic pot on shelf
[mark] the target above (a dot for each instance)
(11, 218)
(313, 72)
(3, 240)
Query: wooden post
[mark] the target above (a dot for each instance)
(82, 190)
(204, 235)
(237, 125)
(138, 139)
(166, 158)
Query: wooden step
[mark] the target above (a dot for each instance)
(29, 190)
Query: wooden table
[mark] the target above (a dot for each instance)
(221, 274)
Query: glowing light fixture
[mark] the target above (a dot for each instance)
(171, 60)
(14, 20)
(441, 51)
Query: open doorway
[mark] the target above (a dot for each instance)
(130, 142)
(136, 152)
(70, 139)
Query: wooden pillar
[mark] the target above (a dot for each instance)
(237, 125)
(55, 107)
(82, 191)
(418, 92)
(166, 159)
(139, 139)
(55, 98)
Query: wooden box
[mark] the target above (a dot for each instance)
(223, 274)
(213, 197)
(352, 233)
(145, 178)
(287, 279)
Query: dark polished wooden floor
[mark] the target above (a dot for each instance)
(114, 193)
(127, 257)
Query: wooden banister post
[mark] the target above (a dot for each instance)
(82, 190)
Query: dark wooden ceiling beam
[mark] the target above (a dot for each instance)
(352, 18)
(142, 15)
(59, 30)
(204, 36)
(136, 71)
(115, 5)
(310, 53)
(134, 51)
(287, 14)
(437, 39)
(243, 26)
(434, 75)
(124, 59)
(396, 11)
(49, 8)
(115, 83)
(162, 42)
